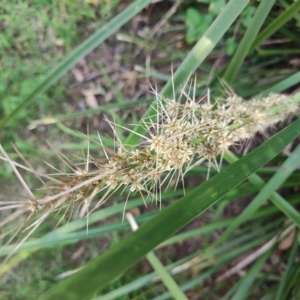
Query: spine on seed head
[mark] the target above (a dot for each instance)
(184, 135)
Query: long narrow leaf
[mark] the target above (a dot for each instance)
(249, 36)
(246, 282)
(196, 56)
(162, 272)
(266, 192)
(276, 24)
(87, 112)
(288, 274)
(283, 85)
(118, 259)
(81, 51)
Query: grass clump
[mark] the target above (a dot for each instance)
(187, 133)
(33, 39)
(227, 247)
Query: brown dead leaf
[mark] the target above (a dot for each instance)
(287, 242)
(77, 74)
(90, 98)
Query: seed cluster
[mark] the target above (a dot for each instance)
(185, 133)
(188, 134)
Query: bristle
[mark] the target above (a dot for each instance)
(185, 134)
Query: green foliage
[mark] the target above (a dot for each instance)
(262, 225)
(196, 24)
(33, 38)
(98, 272)
(198, 20)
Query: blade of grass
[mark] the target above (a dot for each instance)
(266, 192)
(87, 112)
(221, 256)
(278, 200)
(283, 85)
(55, 240)
(61, 237)
(64, 235)
(68, 234)
(166, 278)
(258, 215)
(217, 262)
(135, 285)
(131, 249)
(247, 40)
(276, 24)
(81, 51)
(195, 282)
(246, 282)
(278, 52)
(75, 133)
(289, 273)
(192, 61)
(293, 284)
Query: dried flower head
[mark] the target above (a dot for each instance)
(185, 134)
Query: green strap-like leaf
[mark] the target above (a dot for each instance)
(249, 36)
(81, 51)
(289, 274)
(244, 285)
(134, 247)
(196, 56)
(267, 191)
(283, 84)
(279, 22)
